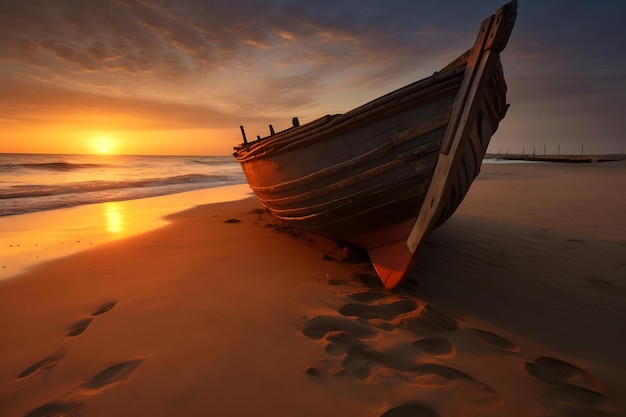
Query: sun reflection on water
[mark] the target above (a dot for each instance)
(114, 218)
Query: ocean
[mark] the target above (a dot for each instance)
(35, 182)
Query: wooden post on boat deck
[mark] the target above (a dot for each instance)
(295, 122)
(243, 133)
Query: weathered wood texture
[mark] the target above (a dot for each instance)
(386, 173)
(478, 108)
(356, 167)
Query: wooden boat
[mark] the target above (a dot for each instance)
(384, 175)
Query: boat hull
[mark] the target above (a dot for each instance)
(363, 173)
(385, 174)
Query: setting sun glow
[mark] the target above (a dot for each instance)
(103, 144)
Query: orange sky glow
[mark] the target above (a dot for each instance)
(180, 77)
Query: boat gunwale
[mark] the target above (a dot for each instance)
(385, 148)
(412, 95)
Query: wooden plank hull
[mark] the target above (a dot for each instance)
(364, 176)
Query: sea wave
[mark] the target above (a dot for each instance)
(213, 161)
(42, 190)
(49, 166)
(38, 182)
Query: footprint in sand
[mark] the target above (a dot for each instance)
(352, 350)
(557, 372)
(358, 358)
(368, 296)
(321, 325)
(410, 410)
(360, 363)
(430, 319)
(434, 374)
(104, 308)
(435, 346)
(347, 340)
(572, 385)
(72, 401)
(74, 330)
(56, 409)
(45, 364)
(338, 343)
(578, 396)
(79, 327)
(443, 371)
(382, 311)
(494, 339)
(113, 375)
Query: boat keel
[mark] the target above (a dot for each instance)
(392, 262)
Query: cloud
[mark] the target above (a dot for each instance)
(163, 40)
(214, 63)
(36, 107)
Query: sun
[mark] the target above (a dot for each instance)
(103, 144)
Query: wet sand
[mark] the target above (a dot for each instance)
(516, 307)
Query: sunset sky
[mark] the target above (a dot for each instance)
(180, 76)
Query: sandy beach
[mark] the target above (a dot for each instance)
(516, 307)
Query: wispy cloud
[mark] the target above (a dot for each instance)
(36, 106)
(209, 63)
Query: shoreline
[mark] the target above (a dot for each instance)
(570, 159)
(516, 307)
(33, 238)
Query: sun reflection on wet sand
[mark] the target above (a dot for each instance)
(29, 239)
(114, 217)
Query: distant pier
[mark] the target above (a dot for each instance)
(570, 159)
